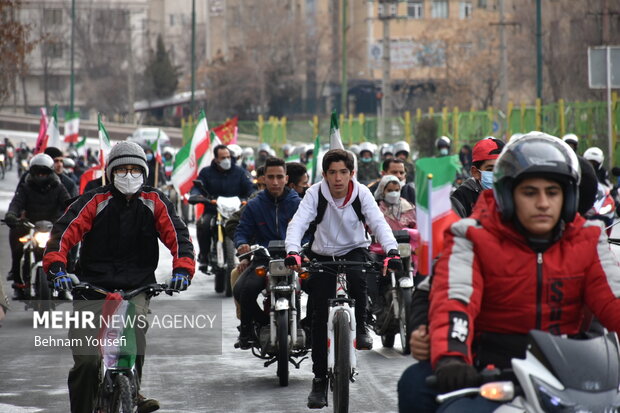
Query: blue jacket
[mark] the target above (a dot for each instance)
(266, 218)
(217, 182)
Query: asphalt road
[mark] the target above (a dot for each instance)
(187, 371)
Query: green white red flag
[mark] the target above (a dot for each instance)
(42, 137)
(53, 133)
(80, 147)
(208, 156)
(72, 127)
(104, 144)
(156, 147)
(118, 322)
(335, 141)
(187, 159)
(434, 178)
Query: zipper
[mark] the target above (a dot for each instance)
(539, 289)
(277, 209)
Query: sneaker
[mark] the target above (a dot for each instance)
(146, 405)
(19, 294)
(246, 338)
(363, 339)
(317, 399)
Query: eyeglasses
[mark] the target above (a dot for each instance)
(122, 172)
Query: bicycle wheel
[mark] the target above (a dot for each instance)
(122, 400)
(44, 292)
(404, 306)
(342, 367)
(282, 334)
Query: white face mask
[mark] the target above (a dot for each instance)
(392, 197)
(128, 185)
(225, 164)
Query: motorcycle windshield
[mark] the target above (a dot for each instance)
(587, 365)
(228, 205)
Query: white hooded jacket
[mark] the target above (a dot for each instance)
(340, 231)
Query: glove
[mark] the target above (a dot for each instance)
(453, 373)
(393, 261)
(11, 219)
(179, 280)
(57, 273)
(292, 259)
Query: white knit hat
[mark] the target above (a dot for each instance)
(126, 153)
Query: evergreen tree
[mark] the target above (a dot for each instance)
(161, 77)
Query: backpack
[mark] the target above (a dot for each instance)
(320, 212)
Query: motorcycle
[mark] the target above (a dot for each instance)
(393, 300)
(283, 340)
(604, 207)
(22, 166)
(2, 165)
(557, 375)
(10, 154)
(32, 280)
(222, 255)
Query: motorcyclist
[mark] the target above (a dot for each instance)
(339, 234)
(396, 167)
(596, 157)
(59, 167)
(367, 167)
(265, 218)
(221, 178)
(39, 197)
(572, 140)
(152, 165)
(485, 154)
(532, 214)
(119, 226)
(402, 151)
(386, 152)
(443, 144)
(297, 177)
(264, 152)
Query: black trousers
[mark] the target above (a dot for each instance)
(246, 291)
(322, 287)
(203, 233)
(17, 250)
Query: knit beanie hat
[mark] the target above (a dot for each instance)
(126, 153)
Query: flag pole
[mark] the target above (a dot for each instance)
(156, 173)
(430, 224)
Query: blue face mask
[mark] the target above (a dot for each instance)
(486, 179)
(149, 157)
(366, 160)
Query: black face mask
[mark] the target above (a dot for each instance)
(42, 180)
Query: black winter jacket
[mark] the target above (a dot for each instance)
(39, 202)
(120, 237)
(465, 196)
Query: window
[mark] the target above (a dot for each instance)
(53, 50)
(172, 20)
(466, 10)
(52, 17)
(439, 9)
(482, 4)
(415, 9)
(53, 83)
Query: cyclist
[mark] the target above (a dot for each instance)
(39, 197)
(340, 234)
(119, 226)
(221, 178)
(552, 264)
(265, 218)
(485, 154)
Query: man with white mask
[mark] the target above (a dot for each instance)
(222, 178)
(119, 226)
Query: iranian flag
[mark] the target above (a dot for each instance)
(335, 141)
(72, 127)
(208, 157)
(117, 332)
(53, 134)
(434, 177)
(156, 147)
(186, 160)
(94, 172)
(104, 145)
(80, 147)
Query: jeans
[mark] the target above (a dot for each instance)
(246, 290)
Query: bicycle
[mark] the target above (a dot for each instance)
(118, 387)
(341, 328)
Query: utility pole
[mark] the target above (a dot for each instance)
(503, 62)
(344, 87)
(72, 79)
(130, 73)
(385, 15)
(539, 52)
(193, 57)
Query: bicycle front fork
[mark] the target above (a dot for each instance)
(331, 327)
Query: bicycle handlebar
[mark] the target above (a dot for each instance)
(153, 289)
(321, 265)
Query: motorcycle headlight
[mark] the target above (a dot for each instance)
(41, 238)
(605, 210)
(551, 400)
(277, 268)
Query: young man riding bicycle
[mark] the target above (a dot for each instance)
(340, 234)
(119, 226)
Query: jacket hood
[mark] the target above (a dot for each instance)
(487, 214)
(54, 181)
(354, 188)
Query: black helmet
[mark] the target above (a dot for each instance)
(539, 155)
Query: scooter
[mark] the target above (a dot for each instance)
(557, 375)
(283, 340)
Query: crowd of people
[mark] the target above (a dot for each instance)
(522, 249)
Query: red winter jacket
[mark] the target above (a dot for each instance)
(489, 280)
